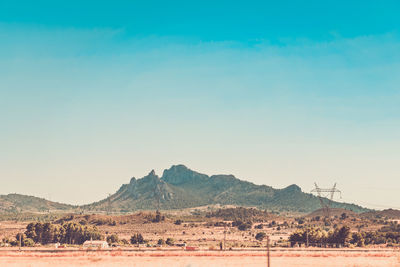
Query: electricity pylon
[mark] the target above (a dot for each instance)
(325, 196)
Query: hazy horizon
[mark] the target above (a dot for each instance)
(92, 94)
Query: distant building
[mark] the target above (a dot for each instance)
(55, 245)
(95, 244)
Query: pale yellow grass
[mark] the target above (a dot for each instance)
(198, 258)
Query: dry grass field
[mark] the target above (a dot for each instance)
(330, 258)
(201, 231)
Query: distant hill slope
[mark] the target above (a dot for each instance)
(333, 212)
(23, 203)
(180, 187)
(388, 213)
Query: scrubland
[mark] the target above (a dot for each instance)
(207, 231)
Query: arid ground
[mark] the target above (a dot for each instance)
(203, 232)
(284, 257)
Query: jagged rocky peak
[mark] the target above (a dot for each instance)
(151, 176)
(293, 188)
(177, 168)
(133, 180)
(179, 174)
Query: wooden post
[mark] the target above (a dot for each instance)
(268, 254)
(307, 237)
(225, 237)
(20, 241)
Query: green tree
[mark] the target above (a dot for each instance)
(28, 242)
(259, 226)
(48, 233)
(170, 241)
(340, 236)
(244, 226)
(31, 232)
(20, 237)
(159, 217)
(39, 232)
(112, 239)
(260, 236)
(310, 235)
(357, 239)
(137, 239)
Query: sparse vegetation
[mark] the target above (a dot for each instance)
(137, 239)
(208, 231)
(178, 222)
(240, 214)
(158, 217)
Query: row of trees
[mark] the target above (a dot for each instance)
(137, 239)
(20, 237)
(342, 236)
(317, 236)
(375, 238)
(49, 233)
(70, 233)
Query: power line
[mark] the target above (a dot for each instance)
(325, 196)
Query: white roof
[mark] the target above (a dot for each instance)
(95, 242)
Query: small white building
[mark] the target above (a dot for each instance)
(95, 244)
(54, 245)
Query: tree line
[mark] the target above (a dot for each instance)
(342, 236)
(68, 233)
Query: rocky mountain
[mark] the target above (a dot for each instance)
(23, 203)
(180, 187)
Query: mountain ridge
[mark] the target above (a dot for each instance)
(181, 187)
(14, 203)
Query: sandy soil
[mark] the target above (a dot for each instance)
(328, 258)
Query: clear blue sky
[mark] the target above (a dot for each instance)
(95, 92)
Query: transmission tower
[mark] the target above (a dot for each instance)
(325, 196)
